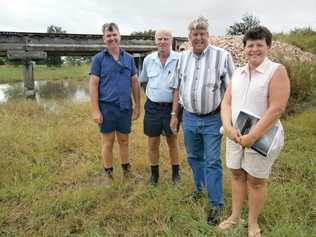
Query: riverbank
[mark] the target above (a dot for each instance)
(51, 181)
(10, 73)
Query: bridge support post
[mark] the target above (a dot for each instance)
(28, 79)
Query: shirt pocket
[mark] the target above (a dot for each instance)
(211, 82)
(153, 79)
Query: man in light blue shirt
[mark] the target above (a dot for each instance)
(157, 69)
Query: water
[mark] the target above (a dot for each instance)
(48, 93)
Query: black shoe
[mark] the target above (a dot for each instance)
(153, 180)
(193, 197)
(175, 174)
(108, 177)
(126, 170)
(176, 179)
(214, 215)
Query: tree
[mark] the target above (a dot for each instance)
(54, 60)
(248, 21)
(55, 29)
(149, 32)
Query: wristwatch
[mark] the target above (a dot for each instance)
(173, 113)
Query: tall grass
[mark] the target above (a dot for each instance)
(303, 84)
(51, 181)
(304, 38)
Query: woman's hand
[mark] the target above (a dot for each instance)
(247, 140)
(233, 134)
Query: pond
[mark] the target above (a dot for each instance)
(48, 92)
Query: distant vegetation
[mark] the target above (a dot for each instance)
(304, 38)
(149, 32)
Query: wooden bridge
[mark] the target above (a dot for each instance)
(26, 47)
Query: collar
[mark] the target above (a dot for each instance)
(261, 68)
(203, 53)
(172, 56)
(122, 51)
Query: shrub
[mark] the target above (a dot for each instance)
(303, 82)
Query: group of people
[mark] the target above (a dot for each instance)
(200, 87)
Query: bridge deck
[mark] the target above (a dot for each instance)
(63, 44)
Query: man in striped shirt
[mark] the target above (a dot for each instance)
(200, 80)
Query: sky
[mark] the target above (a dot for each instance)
(87, 16)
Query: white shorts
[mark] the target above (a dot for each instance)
(249, 160)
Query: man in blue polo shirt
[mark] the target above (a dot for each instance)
(157, 69)
(113, 78)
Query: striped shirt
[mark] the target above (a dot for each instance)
(202, 79)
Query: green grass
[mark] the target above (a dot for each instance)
(10, 73)
(304, 38)
(51, 182)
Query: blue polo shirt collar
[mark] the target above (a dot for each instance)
(122, 51)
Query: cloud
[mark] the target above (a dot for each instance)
(81, 16)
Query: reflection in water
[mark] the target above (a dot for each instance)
(3, 89)
(48, 92)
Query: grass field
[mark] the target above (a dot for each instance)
(9, 73)
(51, 181)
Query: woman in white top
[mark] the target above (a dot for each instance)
(260, 88)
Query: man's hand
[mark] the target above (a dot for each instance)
(136, 113)
(97, 117)
(174, 124)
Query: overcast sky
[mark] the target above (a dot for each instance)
(87, 16)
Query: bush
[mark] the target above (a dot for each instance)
(303, 82)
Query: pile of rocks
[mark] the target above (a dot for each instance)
(280, 50)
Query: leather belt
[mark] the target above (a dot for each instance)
(163, 104)
(217, 110)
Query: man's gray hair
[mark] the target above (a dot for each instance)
(163, 31)
(200, 23)
(110, 27)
